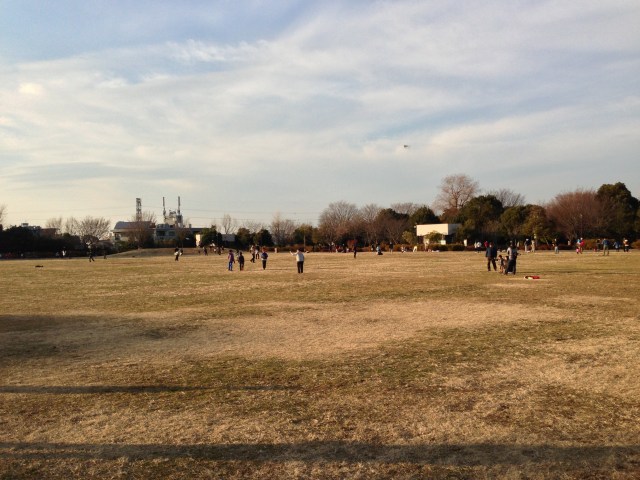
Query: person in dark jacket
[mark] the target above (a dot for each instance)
(491, 254)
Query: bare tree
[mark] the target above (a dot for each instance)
(55, 223)
(252, 225)
(71, 226)
(182, 232)
(455, 192)
(91, 229)
(338, 220)
(282, 229)
(392, 224)
(229, 224)
(368, 225)
(3, 212)
(508, 197)
(576, 214)
(406, 208)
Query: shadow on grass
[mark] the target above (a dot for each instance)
(481, 454)
(96, 389)
(99, 389)
(132, 389)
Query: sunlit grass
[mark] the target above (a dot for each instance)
(404, 365)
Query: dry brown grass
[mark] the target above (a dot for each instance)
(403, 366)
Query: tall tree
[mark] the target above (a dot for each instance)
(338, 221)
(480, 217)
(368, 225)
(537, 224)
(282, 229)
(620, 209)
(455, 192)
(423, 216)
(512, 221)
(576, 214)
(228, 224)
(304, 234)
(92, 229)
(393, 224)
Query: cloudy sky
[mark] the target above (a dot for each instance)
(256, 107)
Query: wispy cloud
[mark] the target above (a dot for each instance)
(326, 93)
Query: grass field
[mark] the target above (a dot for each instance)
(409, 365)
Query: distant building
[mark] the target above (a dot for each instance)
(169, 232)
(129, 231)
(447, 230)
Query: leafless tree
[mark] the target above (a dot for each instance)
(576, 214)
(3, 212)
(455, 191)
(182, 232)
(91, 229)
(71, 226)
(252, 225)
(282, 229)
(55, 223)
(368, 225)
(407, 208)
(508, 197)
(392, 225)
(229, 224)
(338, 220)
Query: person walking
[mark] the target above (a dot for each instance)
(264, 256)
(231, 259)
(491, 254)
(240, 260)
(299, 260)
(176, 253)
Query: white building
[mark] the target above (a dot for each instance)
(447, 230)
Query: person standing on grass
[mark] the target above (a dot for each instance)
(231, 259)
(299, 260)
(512, 255)
(605, 246)
(240, 260)
(263, 256)
(491, 254)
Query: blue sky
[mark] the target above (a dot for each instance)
(256, 107)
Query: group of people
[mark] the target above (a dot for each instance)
(507, 263)
(255, 254)
(263, 255)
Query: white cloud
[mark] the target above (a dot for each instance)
(338, 90)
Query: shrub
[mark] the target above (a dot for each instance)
(457, 247)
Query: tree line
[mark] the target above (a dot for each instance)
(610, 211)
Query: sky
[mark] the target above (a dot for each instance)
(253, 108)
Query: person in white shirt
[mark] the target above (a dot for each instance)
(299, 260)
